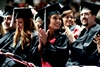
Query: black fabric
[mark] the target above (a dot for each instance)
(52, 9)
(8, 10)
(34, 55)
(56, 54)
(90, 5)
(83, 49)
(23, 13)
(65, 8)
(8, 63)
(7, 39)
(1, 19)
(29, 54)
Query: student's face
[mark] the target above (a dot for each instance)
(6, 23)
(86, 17)
(55, 22)
(19, 23)
(68, 20)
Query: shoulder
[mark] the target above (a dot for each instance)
(62, 36)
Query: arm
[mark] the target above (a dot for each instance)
(54, 53)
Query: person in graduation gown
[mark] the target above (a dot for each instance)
(24, 38)
(54, 45)
(97, 41)
(7, 38)
(83, 50)
(69, 20)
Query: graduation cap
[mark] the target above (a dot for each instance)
(53, 9)
(21, 13)
(40, 14)
(90, 5)
(65, 8)
(8, 10)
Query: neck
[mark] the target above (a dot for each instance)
(51, 33)
(87, 27)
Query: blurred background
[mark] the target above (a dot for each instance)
(41, 3)
(37, 4)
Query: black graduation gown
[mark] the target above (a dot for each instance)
(25, 55)
(84, 50)
(56, 54)
(99, 60)
(34, 55)
(7, 39)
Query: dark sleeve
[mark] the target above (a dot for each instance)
(34, 55)
(56, 54)
(21, 54)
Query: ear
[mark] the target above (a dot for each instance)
(94, 16)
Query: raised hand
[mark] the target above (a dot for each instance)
(97, 41)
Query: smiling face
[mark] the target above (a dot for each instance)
(6, 23)
(68, 19)
(55, 22)
(87, 19)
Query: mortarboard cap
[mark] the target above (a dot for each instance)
(23, 13)
(40, 14)
(90, 5)
(53, 9)
(8, 10)
(65, 8)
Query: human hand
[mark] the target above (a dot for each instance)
(29, 64)
(69, 34)
(97, 41)
(43, 35)
(8, 54)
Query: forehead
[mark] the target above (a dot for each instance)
(7, 16)
(19, 19)
(85, 11)
(56, 15)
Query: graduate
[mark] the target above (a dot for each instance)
(83, 50)
(24, 43)
(69, 21)
(54, 45)
(7, 39)
(97, 41)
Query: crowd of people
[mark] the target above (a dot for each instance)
(50, 37)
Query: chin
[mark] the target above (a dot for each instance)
(7, 28)
(85, 25)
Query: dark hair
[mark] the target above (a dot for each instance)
(48, 22)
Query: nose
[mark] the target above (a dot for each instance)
(69, 18)
(58, 20)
